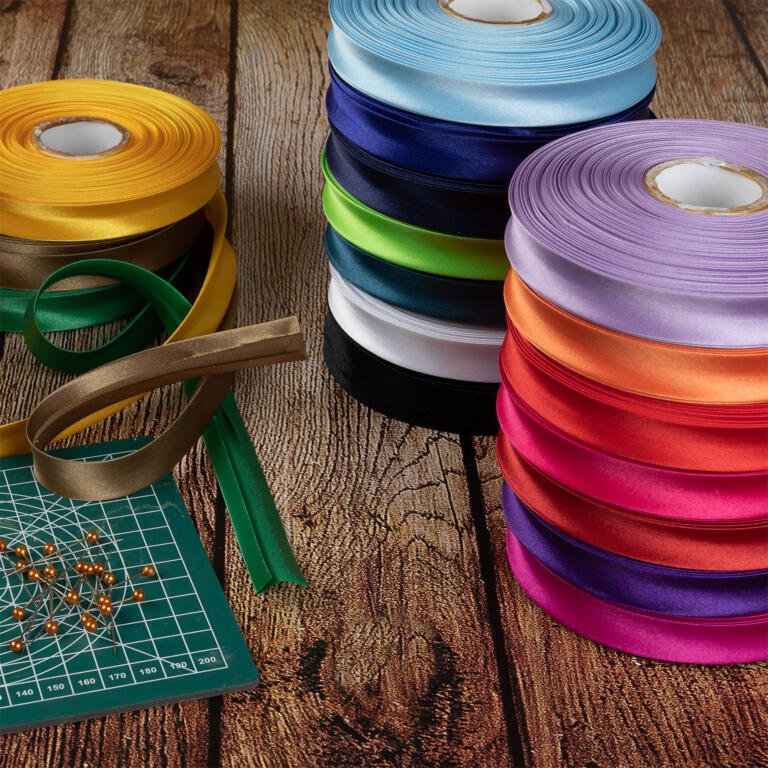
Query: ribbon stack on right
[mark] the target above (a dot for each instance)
(634, 397)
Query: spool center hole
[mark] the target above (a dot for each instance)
(80, 137)
(499, 11)
(708, 185)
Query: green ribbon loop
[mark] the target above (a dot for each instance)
(255, 520)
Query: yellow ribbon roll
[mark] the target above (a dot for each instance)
(93, 159)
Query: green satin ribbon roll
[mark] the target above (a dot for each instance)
(255, 520)
(408, 246)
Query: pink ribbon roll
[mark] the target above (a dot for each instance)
(732, 640)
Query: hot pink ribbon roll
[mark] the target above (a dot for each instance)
(732, 640)
(647, 488)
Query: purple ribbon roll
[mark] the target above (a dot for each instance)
(657, 229)
(633, 583)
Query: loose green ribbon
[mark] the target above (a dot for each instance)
(412, 247)
(255, 520)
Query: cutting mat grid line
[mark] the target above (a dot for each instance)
(158, 643)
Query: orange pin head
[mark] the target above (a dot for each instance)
(20, 565)
(108, 578)
(99, 568)
(16, 645)
(21, 551)
(51, 626)
(92, 537)
(72, 596)
(138, 595)
(148, 572)
(49, 572)
(49, 548)
(3, 545)
(33, 574)
(18, 613)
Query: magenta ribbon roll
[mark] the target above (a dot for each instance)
(633, 485)
(589, 234)
(729, 640)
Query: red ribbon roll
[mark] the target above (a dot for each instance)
(676, 543)
(709, 438)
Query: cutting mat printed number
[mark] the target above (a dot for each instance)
(148, 671)
(55, 687)
(24, 692)
(85, 682)
(203, 660)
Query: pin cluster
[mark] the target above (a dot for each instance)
(67, 586)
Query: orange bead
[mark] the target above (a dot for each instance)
(149, 572)
(18, 613)
(92, 537)
(20, 565)
(49, 572)
(16, 645)
(108, 578)
(3, 545)
(33, 574)
(72, 596)
(21, 551)
(49, 548)
(99, 568)
(79, 566)
(105, 609)
(51, 627)
(138, 595)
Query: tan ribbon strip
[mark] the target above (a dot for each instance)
(215, 357)
(24, 264)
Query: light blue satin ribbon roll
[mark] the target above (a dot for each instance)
(589, 59)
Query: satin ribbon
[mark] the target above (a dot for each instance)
(632, 364)
(701, 545)
(466, 301)
(408, 246)
(588, 235)
(419, 343)
(426, 401)
(679, 435)
(445, 148)
(466, 209)
(633, 583)
(730, 640)
(165, 172)
(589, 59)
(646, 488)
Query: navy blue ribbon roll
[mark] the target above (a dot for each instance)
(440, 147)
(426, 401)
(447, 298)
(634, 583)
(456, 207)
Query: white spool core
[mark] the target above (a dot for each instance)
(80, 137)
(499, 11)
(708, 185)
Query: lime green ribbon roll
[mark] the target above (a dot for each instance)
(408, 246)
(255, 520)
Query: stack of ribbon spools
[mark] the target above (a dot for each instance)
(432, 106)
(634, 404)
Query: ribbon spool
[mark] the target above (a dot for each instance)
(416, 398)
(644, 232)
(729, 640)
(109, 169)
(465, 62)
(632, 583)
(419, 343)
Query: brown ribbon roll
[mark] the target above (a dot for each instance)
(215, 357)
(24, 264)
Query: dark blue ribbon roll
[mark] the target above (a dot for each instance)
(634, 583)
(447, 298)
(440, 147)
(456, 207)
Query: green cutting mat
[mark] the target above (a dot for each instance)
(181, 642)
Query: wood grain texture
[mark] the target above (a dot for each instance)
(392, 656)
(385, 659)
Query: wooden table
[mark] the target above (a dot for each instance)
(413, 646)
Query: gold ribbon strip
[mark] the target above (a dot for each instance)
(215, 356)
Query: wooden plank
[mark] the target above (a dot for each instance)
(135, 42)
(585, 705)
(750, 17)
(385, 659)
(705, 70)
